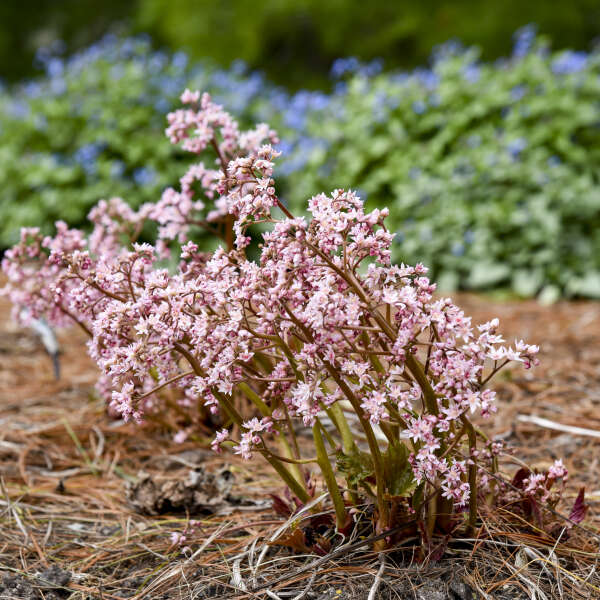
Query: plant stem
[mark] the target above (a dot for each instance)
(329, 476)
(283, 472)
(336, 414)
(266, 411)
(472, 475)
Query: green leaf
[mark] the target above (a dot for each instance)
(356, 467)
(399, 478)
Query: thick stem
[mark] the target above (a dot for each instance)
(391, 432)
(384, 513)
(472, 474)
(288, 479)
(341, 517)
(336, 414)
(255, 398)
(432, 513)
(414, 366)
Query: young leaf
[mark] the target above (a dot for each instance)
(579, 509)
(399, 476)
(520, 476)
(356, 467)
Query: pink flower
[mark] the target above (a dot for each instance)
(557, 470)
(220, 437)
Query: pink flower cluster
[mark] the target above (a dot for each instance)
(240, 155)
(539, 485)
(322, 319)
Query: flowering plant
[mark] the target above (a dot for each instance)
(322, 332)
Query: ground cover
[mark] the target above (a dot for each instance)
(76, 488)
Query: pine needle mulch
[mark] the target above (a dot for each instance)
(68, 529)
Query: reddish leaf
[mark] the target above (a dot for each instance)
(295, 540)
(520, 476)
(579, 508)
(438, 551)
(536, 512)
(280, 506)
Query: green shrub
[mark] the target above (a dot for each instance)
(93, 127)
(491, 171)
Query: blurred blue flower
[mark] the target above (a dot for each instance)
(362, 194)
(569, 62)
(380, 107)
(299, 155)
(58, 86)
(516, 146)
(373, 68)
(238, 67)
(117, 71)
(86, 156)
(427, 78)
(469, 236)
(179, 60)
(523, 40)
(446, 50)
(457, 249)
(18, 109)
(434, 99)
(554, 161)
(343, 66)
(32, 89)
(340, 88)
(518, 92)
(144, 176)
(55, 67)
(419, 107)
(474, 140)
(471, 72)
(158, 61)
(162, 105)
(285, 147)
(117, 168)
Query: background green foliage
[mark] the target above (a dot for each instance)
(93, 128)
(491, 171)
(490, 167)
(28, 25)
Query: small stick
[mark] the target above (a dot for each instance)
(377, 581)
(548, 424)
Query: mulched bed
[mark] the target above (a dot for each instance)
(72, 522)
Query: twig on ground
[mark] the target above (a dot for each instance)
(548, 424)
(377, 581)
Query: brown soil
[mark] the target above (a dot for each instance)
(67, 530)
